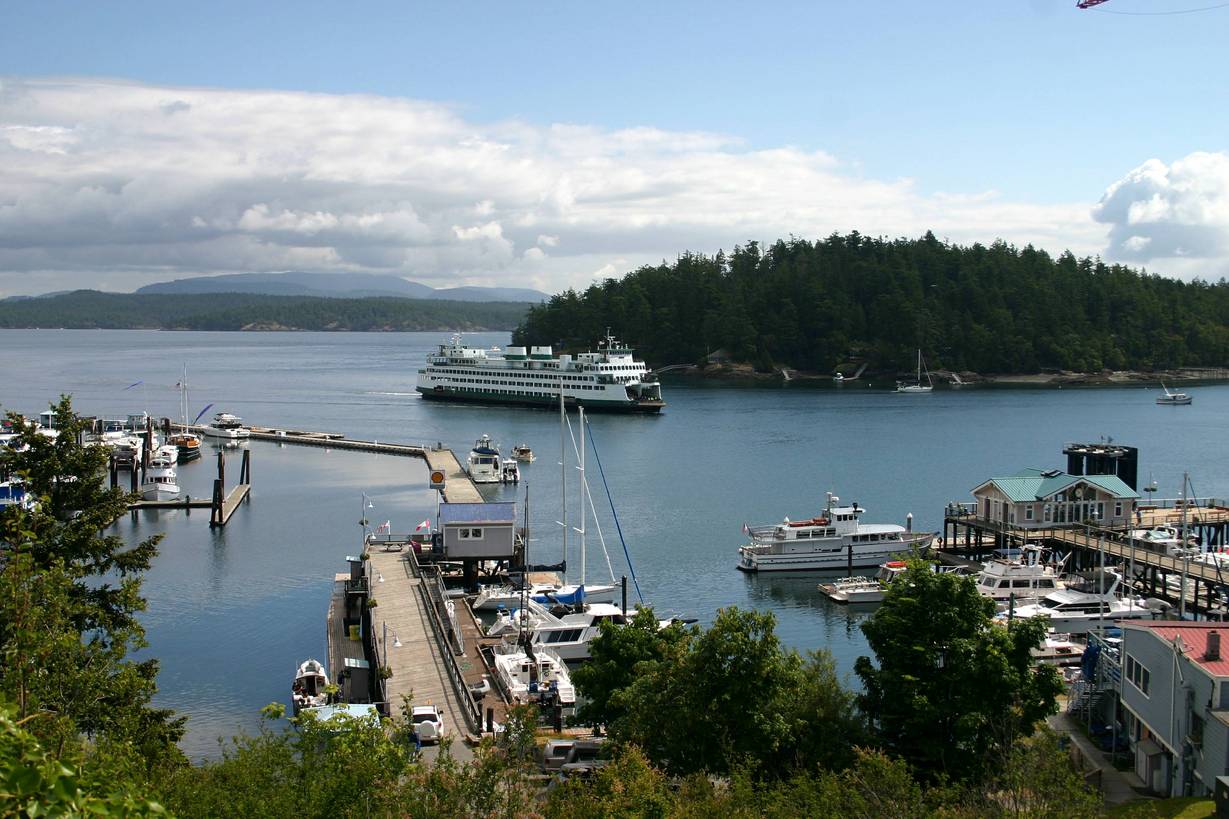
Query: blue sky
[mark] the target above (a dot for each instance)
(1034, 103)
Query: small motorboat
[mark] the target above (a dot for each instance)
(308, 690)
(509, 472)
(523, 453)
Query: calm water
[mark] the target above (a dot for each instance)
(232, 612)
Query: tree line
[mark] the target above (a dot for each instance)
(821, 305)
(702, 722)
(91, 309)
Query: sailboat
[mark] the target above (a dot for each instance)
(187, 445)
(917, 386)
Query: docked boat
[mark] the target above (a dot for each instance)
(1173, 398)
(523, 453)
(833, 540)
(1086, 604)
(187, 445)
(506, 596)
(227, 428)
(917, 385)
(509, 472)
(1167, 539)
(308, 689)
(1026, 580)
(609, 379)
(566, 633)
(161, 483)
(534, 675)
(484, 462)
(855, 590)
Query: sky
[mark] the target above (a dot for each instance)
(554, 144)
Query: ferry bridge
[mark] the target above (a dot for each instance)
(1147, 569)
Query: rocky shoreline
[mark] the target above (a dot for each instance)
(1105, 378)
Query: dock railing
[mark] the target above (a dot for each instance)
(469, 707)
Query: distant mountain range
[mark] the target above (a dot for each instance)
(337, 286)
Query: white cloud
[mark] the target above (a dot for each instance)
(124, 183)
(1160, 211)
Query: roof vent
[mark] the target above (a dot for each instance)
(1051, 473)
(1212, 652)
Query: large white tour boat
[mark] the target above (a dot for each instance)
(609, 379)
(834, 540)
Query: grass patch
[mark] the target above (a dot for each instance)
(1188, 807)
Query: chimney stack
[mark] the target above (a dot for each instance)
(1213, 651)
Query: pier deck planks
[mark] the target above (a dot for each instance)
(417, 667)
(341, 647)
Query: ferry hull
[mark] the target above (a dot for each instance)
(544, 402)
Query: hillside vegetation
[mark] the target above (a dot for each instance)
(90, 309)
(818, 305)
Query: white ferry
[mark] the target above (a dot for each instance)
(609, 379)
(834, 540)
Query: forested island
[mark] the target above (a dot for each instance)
(91, 309)
(851, 300)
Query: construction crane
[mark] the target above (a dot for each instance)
(1087, 4)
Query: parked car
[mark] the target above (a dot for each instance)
(555, 753)
(582, 759)
(428, 723)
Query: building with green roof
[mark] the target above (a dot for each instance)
(1044, 499)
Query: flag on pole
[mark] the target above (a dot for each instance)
(384, 528)
(202, 413)
(426, 524)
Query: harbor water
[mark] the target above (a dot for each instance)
(232, 611)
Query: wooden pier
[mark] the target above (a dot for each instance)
(1145, 569)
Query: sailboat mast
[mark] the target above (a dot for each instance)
(583, 493)
(563, 478)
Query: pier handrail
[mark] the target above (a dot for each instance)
(434, 579)
(469, 708)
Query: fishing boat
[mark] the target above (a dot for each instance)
(308, 689)
(610, 379)
(523, 453)
(916, 385)
(227, 428)
(834, 539)
(484, 461)
(1173, 398)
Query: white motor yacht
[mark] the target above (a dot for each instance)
(523, 453)
(484, 461)
(1026, 580)
(854, 590)
(834, 540)
(568, 634)
(509, 471)
(534, 675)
(1087, 605)
(226, 427)
(1167, 539)
(161, 483)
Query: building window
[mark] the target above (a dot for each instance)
(1028, 511)
(1139, 676)
(1045, 512)
(1117, 509)
(470, 534)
